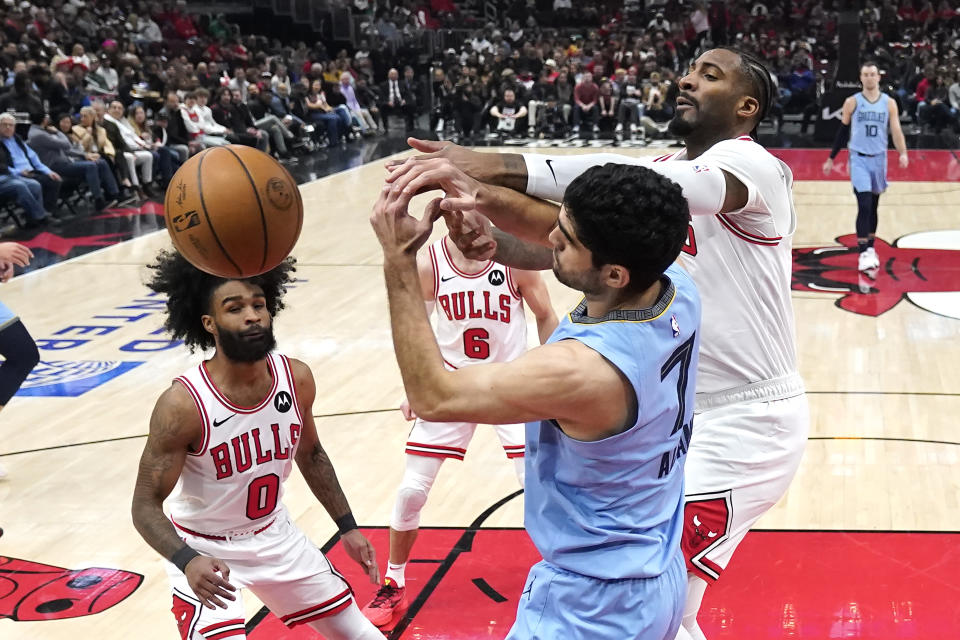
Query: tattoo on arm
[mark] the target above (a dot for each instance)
(518, 254)
(322, 480)
(514, 172)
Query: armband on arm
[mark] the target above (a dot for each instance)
(703, 183)
(843, 136)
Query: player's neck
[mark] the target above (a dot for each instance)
(460, 261)
(229, 374)
(698, 144)
(871, 94)
(599, 305)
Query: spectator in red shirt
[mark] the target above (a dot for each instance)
(585, 97)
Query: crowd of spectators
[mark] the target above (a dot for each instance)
(613, 65)
(113, 96)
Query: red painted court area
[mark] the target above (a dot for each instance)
(925, 165)
(809, 585)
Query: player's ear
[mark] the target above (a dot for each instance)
(208, 324)
(749, 107)
(617, 276)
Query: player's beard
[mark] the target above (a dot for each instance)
(587, 282)
(679, 127)
(240, 346)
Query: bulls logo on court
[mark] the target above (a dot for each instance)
(183, 221)
(706, 524)
(282, 402)
(496, 277)
(31, 591)
(923, 268)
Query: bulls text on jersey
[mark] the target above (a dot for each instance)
(237, 455)
(462, 305)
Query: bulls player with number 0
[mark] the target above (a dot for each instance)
(480, 319)
(222, 441)
(752, 414)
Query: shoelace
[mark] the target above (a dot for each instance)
(385, 593)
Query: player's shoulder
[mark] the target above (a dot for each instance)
(300, 371)
(741, 152)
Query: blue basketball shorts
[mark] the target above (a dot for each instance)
(868, 173)
(7, 316)
(556, 603)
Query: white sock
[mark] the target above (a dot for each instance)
(395, 572)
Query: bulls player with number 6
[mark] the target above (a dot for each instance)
(480, 319)
(222, 440)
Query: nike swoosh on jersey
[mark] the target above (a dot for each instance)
(217, 423)
(442, 279)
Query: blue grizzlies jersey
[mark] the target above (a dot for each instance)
(613, 508)
(868, 127)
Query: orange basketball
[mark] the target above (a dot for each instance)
(233, 211)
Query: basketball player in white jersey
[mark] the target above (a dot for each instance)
(752, 414)
(222, 441)
(480, 319)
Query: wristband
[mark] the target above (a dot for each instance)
(346, 523)
(183, 556)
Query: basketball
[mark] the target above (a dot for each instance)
(233, 211)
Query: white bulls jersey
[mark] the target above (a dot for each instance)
(741, 263)
(479, 315)
(234, 482)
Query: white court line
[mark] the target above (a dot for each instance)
(152, 233)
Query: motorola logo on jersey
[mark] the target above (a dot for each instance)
(496, 277)
(282, 402)
(919, 267)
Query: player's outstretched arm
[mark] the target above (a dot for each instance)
(317, 470)
(567, 381)
(174, 426)
(534, 292)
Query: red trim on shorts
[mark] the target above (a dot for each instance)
(746, 235)
(233, 407)
(209, 536)
(463, 274)
(514, 451)
(203, 415)
(213, 632)
(435, 451)
(329, 607)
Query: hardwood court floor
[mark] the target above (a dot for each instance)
(884, 392)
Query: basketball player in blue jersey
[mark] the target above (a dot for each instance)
(223, 438)
(868, 117)
(608, 403)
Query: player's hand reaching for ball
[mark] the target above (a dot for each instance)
(417, 175)
(472, 233)
(362, 552)
(480, 166)
(399, 233)
(209, 587)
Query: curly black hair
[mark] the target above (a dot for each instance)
(189, 292)
(631, 216)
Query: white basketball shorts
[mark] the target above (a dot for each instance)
(280, 565)
(741, 460)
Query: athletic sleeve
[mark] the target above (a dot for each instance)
(704, 185)
(768, 181)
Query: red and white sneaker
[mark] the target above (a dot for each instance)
(389, 602)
